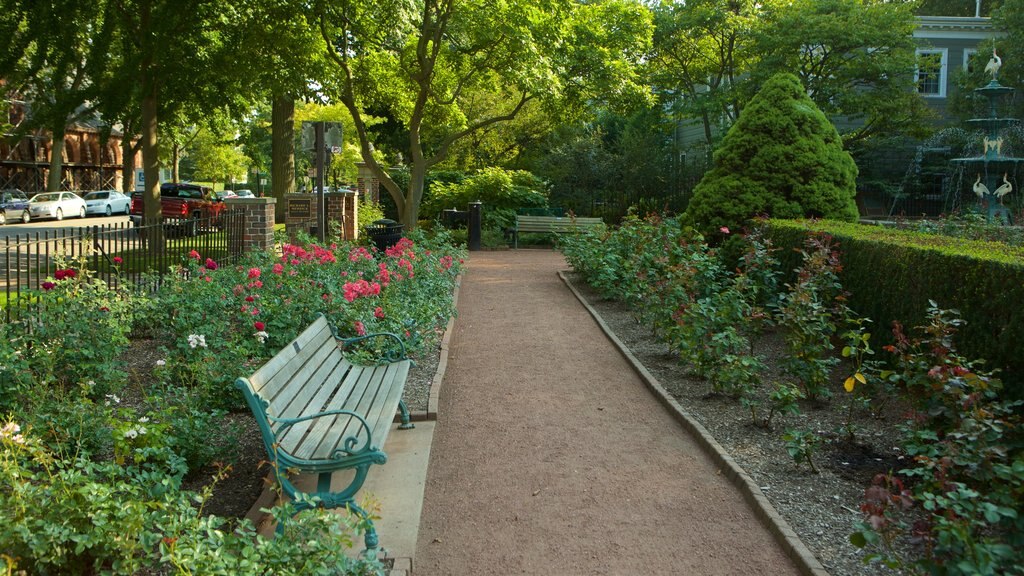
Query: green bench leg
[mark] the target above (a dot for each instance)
(406, 421)
(330, 500)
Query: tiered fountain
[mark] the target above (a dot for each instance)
(992, 175)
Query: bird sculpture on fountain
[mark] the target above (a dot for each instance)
(979, 188)
(1004, 189)
(994, 64)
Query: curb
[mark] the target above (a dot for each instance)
(769, 516)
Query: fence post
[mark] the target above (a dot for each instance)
(256, 231)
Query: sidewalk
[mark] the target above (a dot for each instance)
(550, 456)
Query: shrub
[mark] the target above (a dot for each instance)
(809, 312)
(782, 158)
(894, 274)
(500, 191)
(74, 516)
(967, 468)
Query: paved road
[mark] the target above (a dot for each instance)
(551, 457)
(12, 229)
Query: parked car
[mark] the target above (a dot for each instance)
(13, 205)
(191, 205)
(225, 194)
(244, 193)
(56, 205)
(107, 202)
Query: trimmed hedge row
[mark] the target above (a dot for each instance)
(892, 274)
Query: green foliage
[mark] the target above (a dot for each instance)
(852, 57)
(93, 482)
(369, 211)
(856, 350)
(966, 469)
(563, 55)
(801, 445)
(214, 318)
(500, 191)
(784, 399)
(70, 515)
(810, 312)
(982, 280)
(614, 162)
(782, 158)
(74, 339)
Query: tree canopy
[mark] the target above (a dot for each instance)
(425, 63)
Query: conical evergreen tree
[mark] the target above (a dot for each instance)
(782, 158)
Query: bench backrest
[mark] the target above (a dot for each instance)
(310, 376)
(280, 388)
(556, 224)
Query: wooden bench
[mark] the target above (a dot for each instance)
(551, 225)
(319, 413)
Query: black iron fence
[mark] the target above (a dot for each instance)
(118, 254)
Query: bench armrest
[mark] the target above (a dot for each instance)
(391, 357)
(350, 441)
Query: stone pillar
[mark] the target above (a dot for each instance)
(255, 230)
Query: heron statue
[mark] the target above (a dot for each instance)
(994, 64)
(1004, 189)
(979, 188)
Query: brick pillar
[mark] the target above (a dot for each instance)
(351, 201)
(300, 213)
(367, 184)
(255, 231)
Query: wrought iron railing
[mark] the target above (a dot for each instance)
(117, 253)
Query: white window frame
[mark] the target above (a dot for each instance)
(943, 70)
(968, 54)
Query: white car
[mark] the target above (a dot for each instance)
(56, 205)
(244, 194)
(107, 202)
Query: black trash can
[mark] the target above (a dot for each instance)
(384, 233)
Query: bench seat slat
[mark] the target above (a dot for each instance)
(328, 433)
(382, 412)
(308, 377)
(336, 379)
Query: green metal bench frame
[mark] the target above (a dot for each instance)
(318, 413)
(551, 224)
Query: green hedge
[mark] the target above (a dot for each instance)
(892, 274)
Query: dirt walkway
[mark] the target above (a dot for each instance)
(551, 457)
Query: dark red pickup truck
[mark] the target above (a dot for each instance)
(188, 203)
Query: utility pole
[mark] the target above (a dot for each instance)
(321, 212)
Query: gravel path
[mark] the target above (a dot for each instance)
(551, 457)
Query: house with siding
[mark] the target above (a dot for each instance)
(946, 45)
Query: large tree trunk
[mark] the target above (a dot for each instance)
(128, 150)
(152, 214)
(282, 152)
(55, 177)
(175, 162)
(417, 180)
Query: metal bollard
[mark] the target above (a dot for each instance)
(474, 225)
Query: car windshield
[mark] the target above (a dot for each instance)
(45, 198)
(97, 196)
